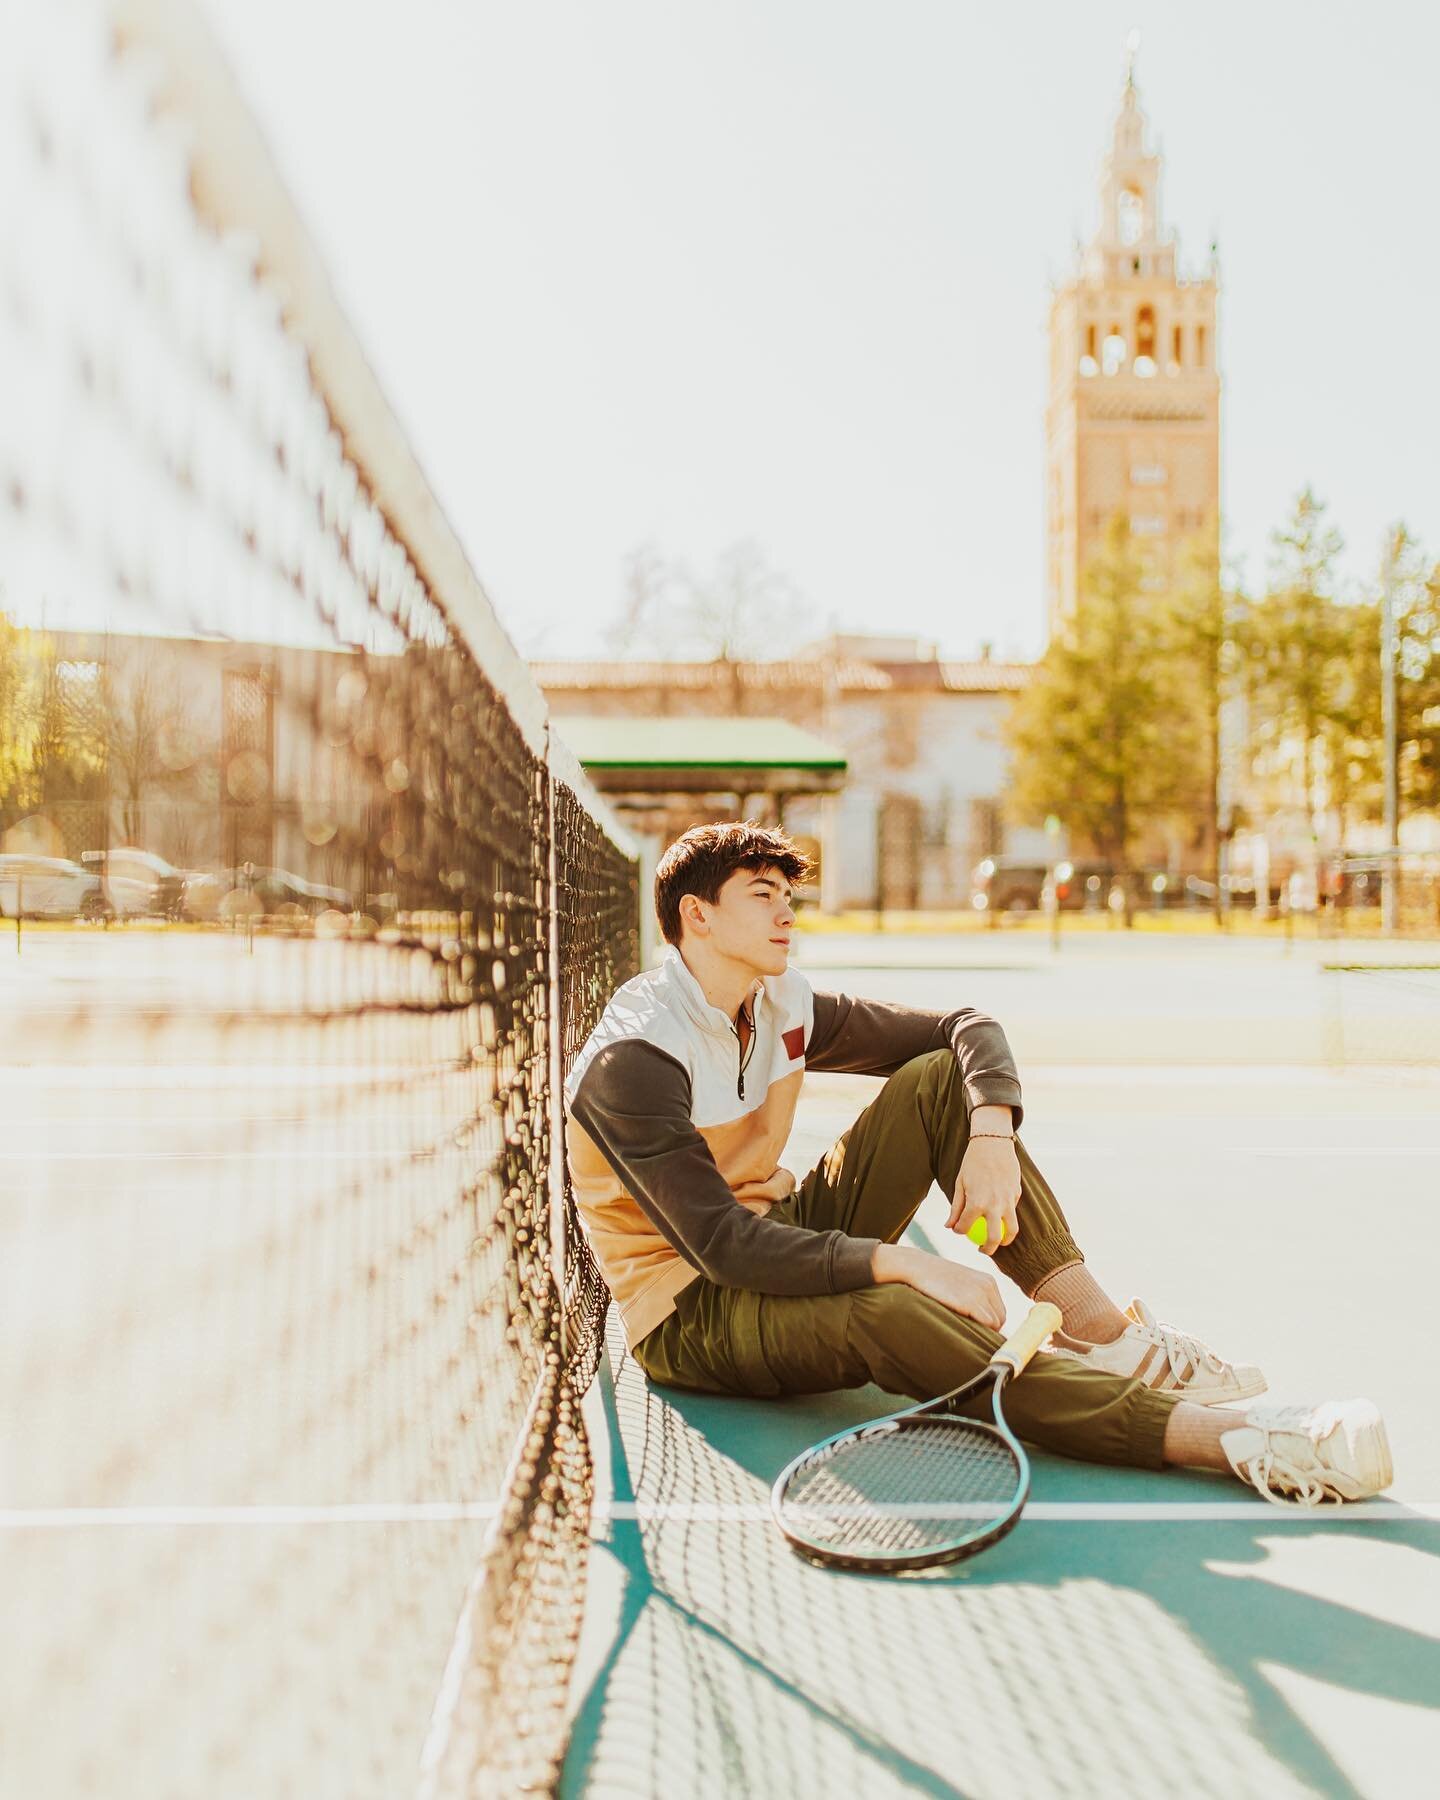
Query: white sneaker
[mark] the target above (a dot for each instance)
(1307, 1455)
(1168, 1360)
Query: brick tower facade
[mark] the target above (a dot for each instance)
(1133, 423)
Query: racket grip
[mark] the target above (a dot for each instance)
(1032, 1332)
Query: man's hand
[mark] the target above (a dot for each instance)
(779, 1186)
(988, 1186)
(966, 1291)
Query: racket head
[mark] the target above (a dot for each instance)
(908, 1492)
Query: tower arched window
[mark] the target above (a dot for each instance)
(1130, 216)
(1145, 331)
(1200, 345)
(1176, 342)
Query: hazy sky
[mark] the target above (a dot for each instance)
(655, 271)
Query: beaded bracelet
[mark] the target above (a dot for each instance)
(1009, 1136)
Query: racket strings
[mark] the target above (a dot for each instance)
(904, 1490)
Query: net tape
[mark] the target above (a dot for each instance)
(300, 1491)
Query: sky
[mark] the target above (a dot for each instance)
(655, 272)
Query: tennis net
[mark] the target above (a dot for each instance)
(311, 910)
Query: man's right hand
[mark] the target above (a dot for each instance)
(969, 1292)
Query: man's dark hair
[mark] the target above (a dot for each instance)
(705, 858)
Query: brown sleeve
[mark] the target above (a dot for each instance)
(634, 1101)
(876, 1037)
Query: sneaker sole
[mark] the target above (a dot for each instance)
(1239, 1392)
(1369, 1445)
(1212, 1399)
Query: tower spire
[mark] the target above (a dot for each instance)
(1132, 50)
(1130, 174)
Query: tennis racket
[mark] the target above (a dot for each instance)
(918, 1487)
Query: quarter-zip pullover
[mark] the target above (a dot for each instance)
(676, 1126)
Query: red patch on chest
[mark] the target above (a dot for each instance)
(794, 1042)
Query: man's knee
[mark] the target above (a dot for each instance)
(896, 1313)
(934, 1078)
(914, 1345)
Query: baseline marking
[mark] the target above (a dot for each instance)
(1057, 1512)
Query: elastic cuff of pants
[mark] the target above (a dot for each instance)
(1147, 1428)
(1033, 1261)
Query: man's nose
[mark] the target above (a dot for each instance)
(785, 916)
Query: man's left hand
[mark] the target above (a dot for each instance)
(988, 1187)
(779, 1186)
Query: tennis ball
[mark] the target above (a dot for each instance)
(979, 1232)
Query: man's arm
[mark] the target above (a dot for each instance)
(634, 1102)
(876, 1037)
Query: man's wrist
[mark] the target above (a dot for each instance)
(992, 1120)
(893, 1262)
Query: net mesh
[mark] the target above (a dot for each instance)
(903, 1489)
(294, 1484)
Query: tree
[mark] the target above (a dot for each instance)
(1204, 610)
(743, 610)
(1300, 647)
(17, 722)
(51, 737)
(1105, 734)
(147, 730)
(1415, 595)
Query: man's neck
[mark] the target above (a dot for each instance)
(724, 982)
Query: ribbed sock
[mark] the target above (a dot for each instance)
(1193, 1433)
(1090, 1314)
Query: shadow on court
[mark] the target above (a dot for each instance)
(1076, 1658)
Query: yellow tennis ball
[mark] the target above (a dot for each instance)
(979, 1232)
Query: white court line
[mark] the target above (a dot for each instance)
(257, 1074)
(121, 1154)
(1059, 1512)
(229, 1075)
(1301, 1150)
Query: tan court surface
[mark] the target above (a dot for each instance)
(1138, 1633)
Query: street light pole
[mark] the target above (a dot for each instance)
(1389, 896)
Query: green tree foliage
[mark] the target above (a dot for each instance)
(1306, 677)
(1415, 592)
(1203, 613)
(1105, 735)
(52, 726)
(16, 723)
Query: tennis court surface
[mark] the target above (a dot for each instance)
(1138, 1632)
(296, 1497)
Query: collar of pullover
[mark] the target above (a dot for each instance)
(692, 995)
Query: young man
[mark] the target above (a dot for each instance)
(733, 1278)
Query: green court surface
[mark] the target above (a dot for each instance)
(1138, 1632)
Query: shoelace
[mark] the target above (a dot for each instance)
(1181, 1348)
(1270, 1472)
(1271, 1469)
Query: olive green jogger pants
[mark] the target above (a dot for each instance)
(737, 1341)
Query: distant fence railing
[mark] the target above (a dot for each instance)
(1382, 893)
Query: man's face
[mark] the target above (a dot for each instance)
(752, 920)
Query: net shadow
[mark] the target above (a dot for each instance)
(1052, 1663)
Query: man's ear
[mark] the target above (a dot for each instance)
(692, 913)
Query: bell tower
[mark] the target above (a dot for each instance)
(1133, 423)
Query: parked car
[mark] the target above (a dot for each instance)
(49, 887)
(1017, 884)
(138, 882)
(262, 892)
(1007, 884)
